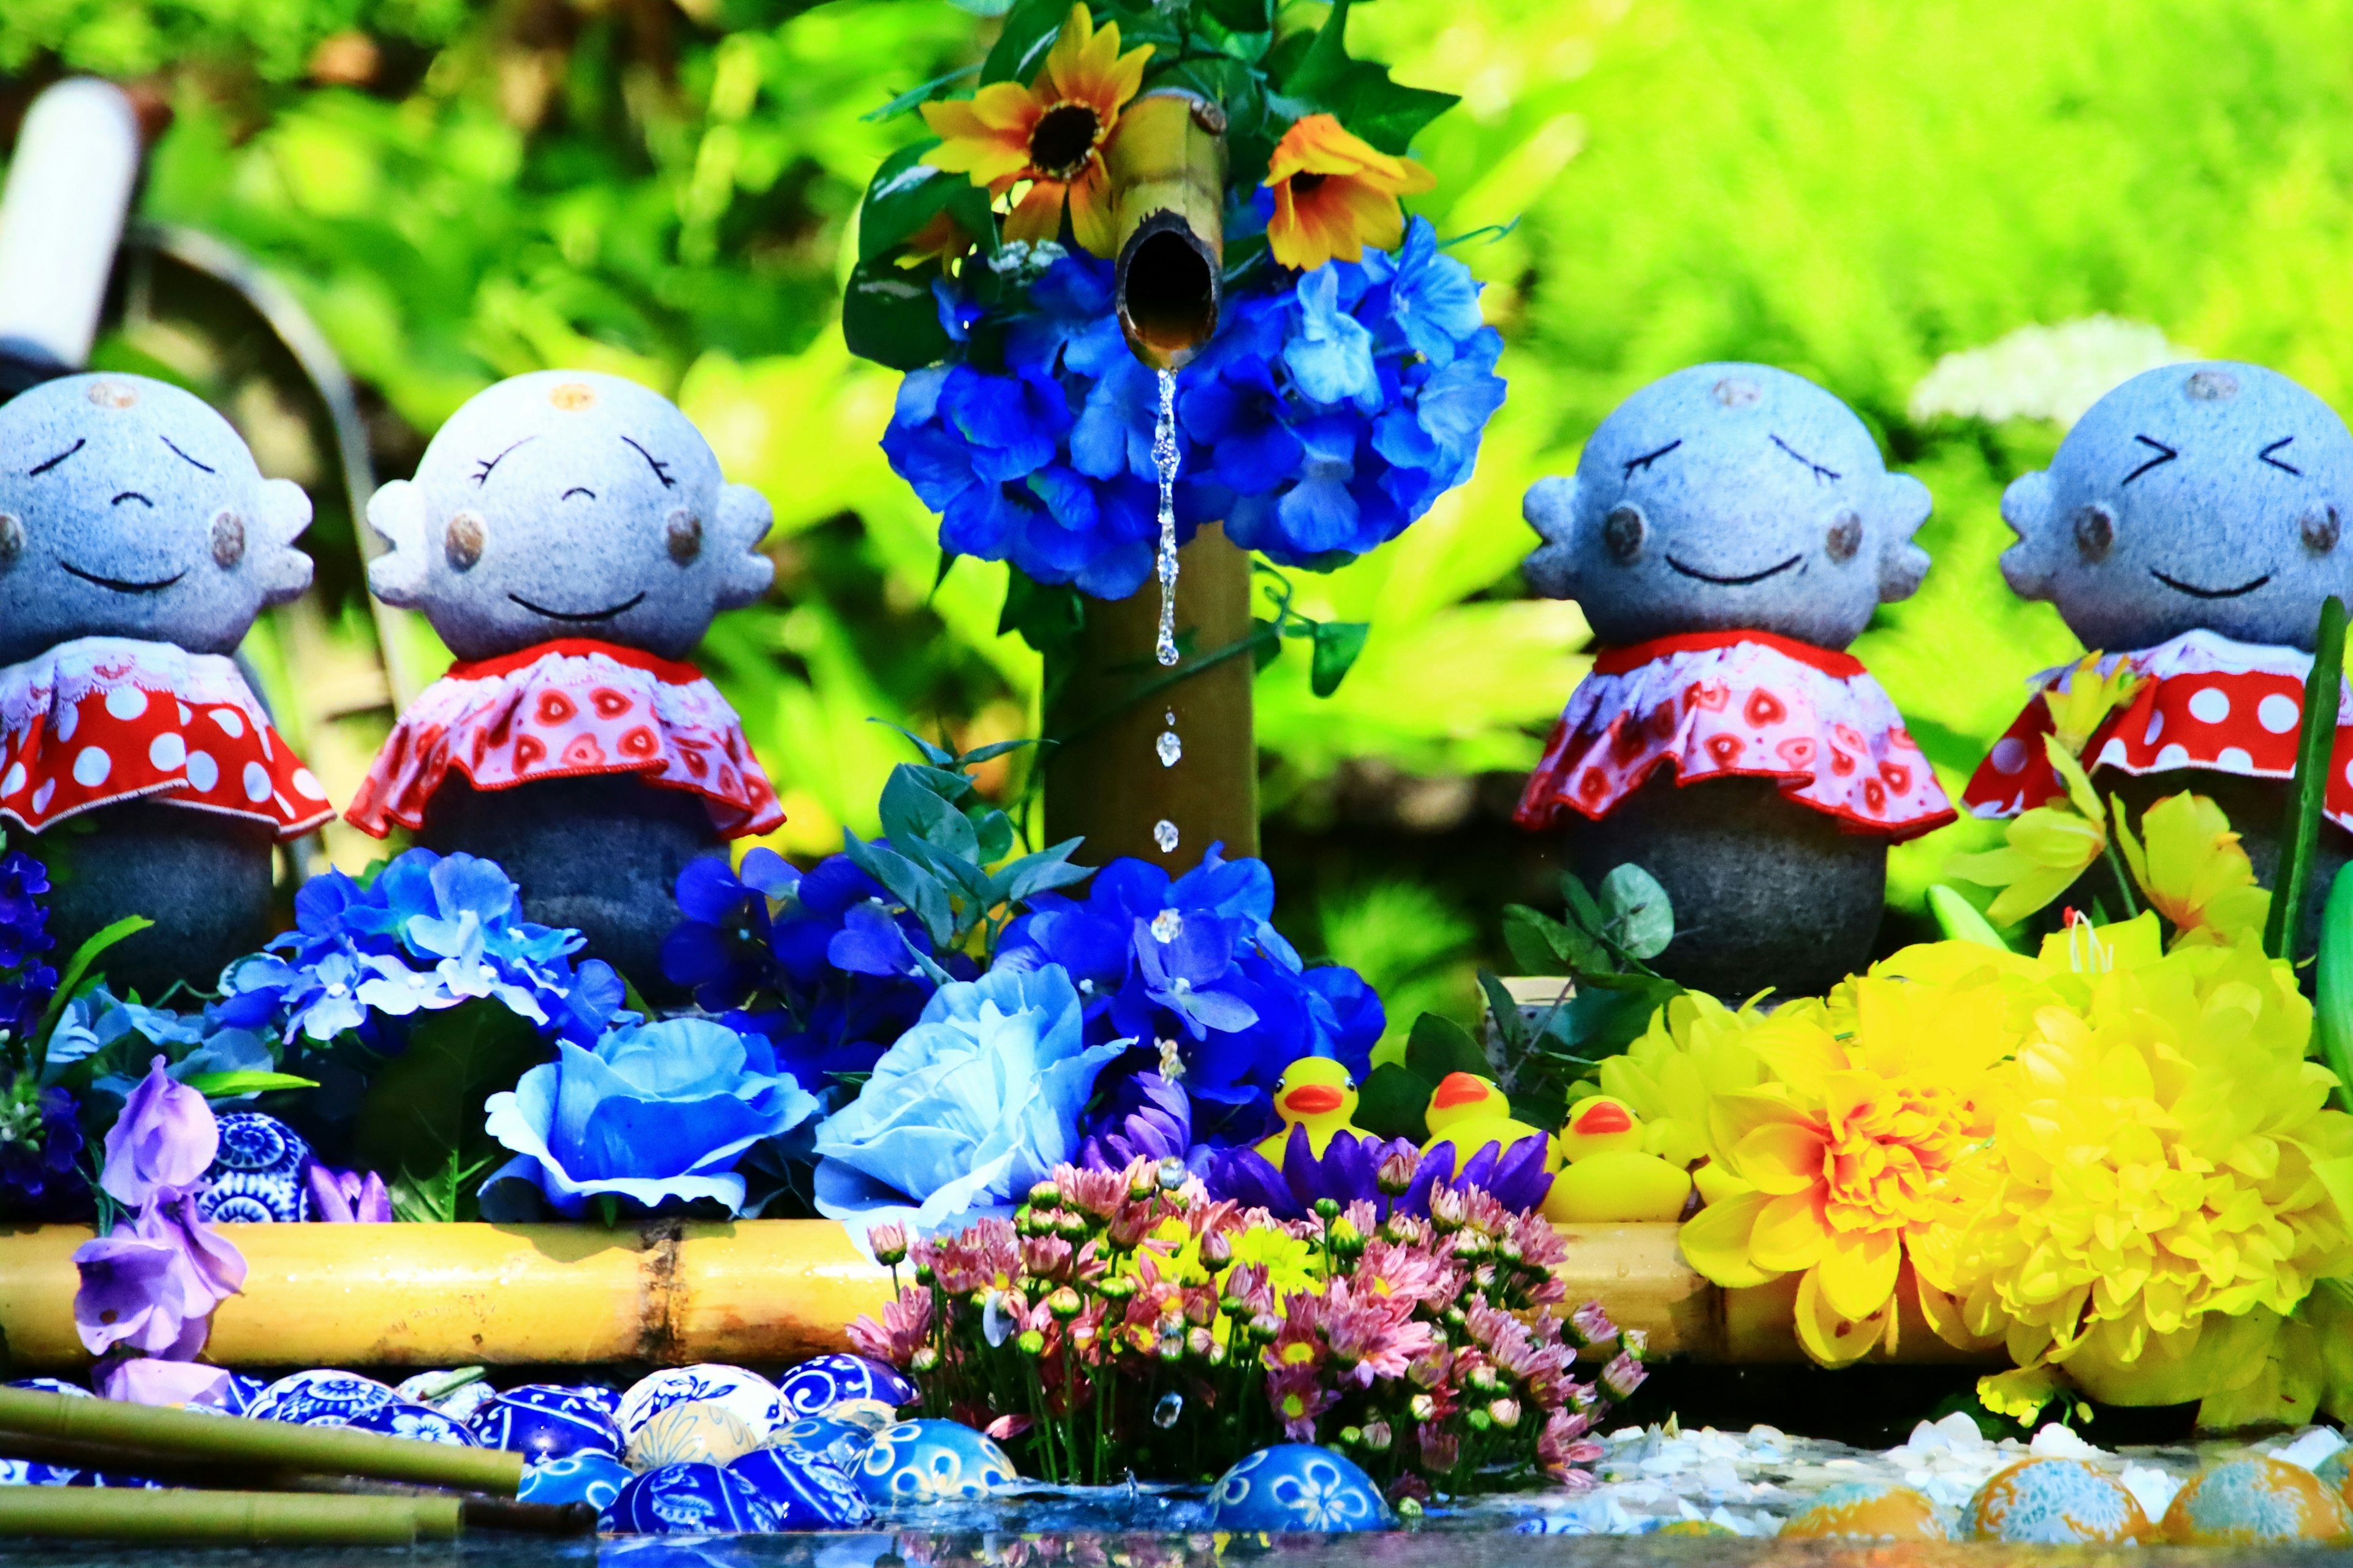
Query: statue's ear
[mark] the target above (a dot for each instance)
(398, 514)
(2028, 507)
(285, 513)
(745, 518)
(1903, 504)
(1550, 507)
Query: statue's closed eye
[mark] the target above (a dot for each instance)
(2266, 456)
(184, 457)
(661, 469)
(2165, 454)
(482, 472)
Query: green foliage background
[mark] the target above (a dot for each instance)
(1848, 188)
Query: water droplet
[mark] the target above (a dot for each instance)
(1164, 1414)
(1168, 716)
(1164, 833)
(1163, 457)
(1172, 1061)
(1171, 749)
(1167, 925)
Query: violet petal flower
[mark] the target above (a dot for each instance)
(215, 1267)
(149, 1380)
(130, 1294)
(347, 1197)
(1145, 1117)
(1514, 1177)
(161, 1144)
(1346, 1171)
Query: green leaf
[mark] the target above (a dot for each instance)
(1030, 28)
(916, 95)
(910, 883)
(994, 830)
(1394, 1102)
(921, 825)
(1505, 1009)
(223, 1085)
(904, 195)
(2332, 1014)
(888, 315)
(1636, 913)
(423, 1114)
(1337, 644)
(1961, 920)
(1540, 944)
(1243, 15)
(1583, 911)
(1385, 114)
(1042, 872)
(70, 981)
(1438, 1045)
(1049, 616)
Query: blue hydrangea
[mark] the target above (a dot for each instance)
(27, 980)
(1330, 411)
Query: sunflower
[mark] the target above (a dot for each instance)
(1050, 133)
(1335, 194)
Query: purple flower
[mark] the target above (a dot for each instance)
(1516, 1177)
(1142, 1117)
(161, 1144)
(1348, 1170)
(346, 1197)
(153, 1285)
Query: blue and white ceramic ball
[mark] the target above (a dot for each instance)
(116, 1480)
(320, 1398)
(258, 1175)
(593, 1479)
(820, 1384)
(35, 1473)
(930, 1461)
(749, 1397)
(544, 1423)
(806, 1493)
(51, 1385)
(688, 1500)
(421, 1421)
(239, 1392)
(1297, 1487)
(822, 1437)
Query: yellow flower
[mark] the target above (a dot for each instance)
(1291, 1264)
(2045, 849)
(1335, 194)
(2087, 699)
(1050, 133)
(2193, 872)
(1695, 1049)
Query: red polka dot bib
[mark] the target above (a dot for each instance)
(1739, 704)
(563, 710)
(102, 719)
(2206, 703)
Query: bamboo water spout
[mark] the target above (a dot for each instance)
(1168, 168)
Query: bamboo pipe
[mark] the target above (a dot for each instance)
(758, 1291)
(282, 1519)
(141, 1429)
(1167, 169)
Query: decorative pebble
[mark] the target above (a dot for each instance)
(2255, 1502)
(697, 1432)
(688, 1500)
(820, 1384)
(403, 1419)
(321, 1397)
(258, 1175)
(1869, 1510)
(930, 1461)
(593, 1479)
(822, 1437)
(544, 1423)
(806, 1493)
(2054, 1502)
(750, 1397)
(2336, 1472)
(1297, 1487)
(456, 1395)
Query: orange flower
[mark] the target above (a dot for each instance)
(1335, 194)
(1050, 133)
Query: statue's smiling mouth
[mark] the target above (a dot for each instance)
(604, 614)
(2195, 591)
(1735, 581)
(124, 584)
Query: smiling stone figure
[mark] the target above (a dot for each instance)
(1730, 529)
(2190, 528)
(138, 541)
(569, 536)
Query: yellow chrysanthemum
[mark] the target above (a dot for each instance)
(1051, 134)
(1335, 194)
(1695, 1049)
(2087, 699)
(2193, 872)
(2046, 848)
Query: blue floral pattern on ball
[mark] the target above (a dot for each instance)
(33, 1473)
(746, 1395)
(1297, 1487)
(321, 1397)
(542, 1423)
(820, 1384)
(688, 1500)
(932, 1461)
(806, 1493)
(402, 1419)
(258, 1175)
(819, 1437)
(593, 1479)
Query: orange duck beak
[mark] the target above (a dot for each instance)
(1313, 1099)
(1459, 1089)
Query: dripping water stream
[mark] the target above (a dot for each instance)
(1170, 748)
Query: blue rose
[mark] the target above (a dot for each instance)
(974, 1105)
(652, 1113)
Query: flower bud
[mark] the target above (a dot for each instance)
(1421, 1407)
(1479, 1421)
(1346, 1240)
(1046, 1194)
(1217, 1355)
(1265, 1328)
(1199, 1343)
(1506, 1412)
(890, 1243)
(1377, 1437)
(1171, 1173)
(1409, 1509)
(1448, 1209)
(924, 1275)
(1031, 1342)
(926, 1358)
(1350, 1437)
(1397, 1172)
(1327, 1209)
(1072, 1226)
(1142, 1185)
(1481, 1378)
(1216, 1249)
(1065, 1304)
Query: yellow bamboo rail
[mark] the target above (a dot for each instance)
(671, 1294)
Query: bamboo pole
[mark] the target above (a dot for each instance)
(278, 1518)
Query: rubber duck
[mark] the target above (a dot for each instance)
(1316, 1093)
(1608, 1178)
(1470, 1112)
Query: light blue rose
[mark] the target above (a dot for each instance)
(971, 1107)
(654, 1112)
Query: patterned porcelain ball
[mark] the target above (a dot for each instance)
(2336, 1472)
(932, 1461)
(33, 1473)
(820, 1384)
(52, 1385)
(592, 1478)
(746, 1395)
(1869, 1510)
(1297, 1487)
(688, 1500)
(544, 1429)
(258, 1175)
(2254, 1502)
(822, 1437)
(694, 1433)
(806, 1493)
(320, 1398)
(2054, 1502)
(421, 1421)
(240, 1393)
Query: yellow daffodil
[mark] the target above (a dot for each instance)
(1050, 133)
(2045, 849)
(2087, 699)
(1335, 194)
(2193, 872)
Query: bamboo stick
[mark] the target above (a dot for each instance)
(281, 1519)
(1167, 170)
